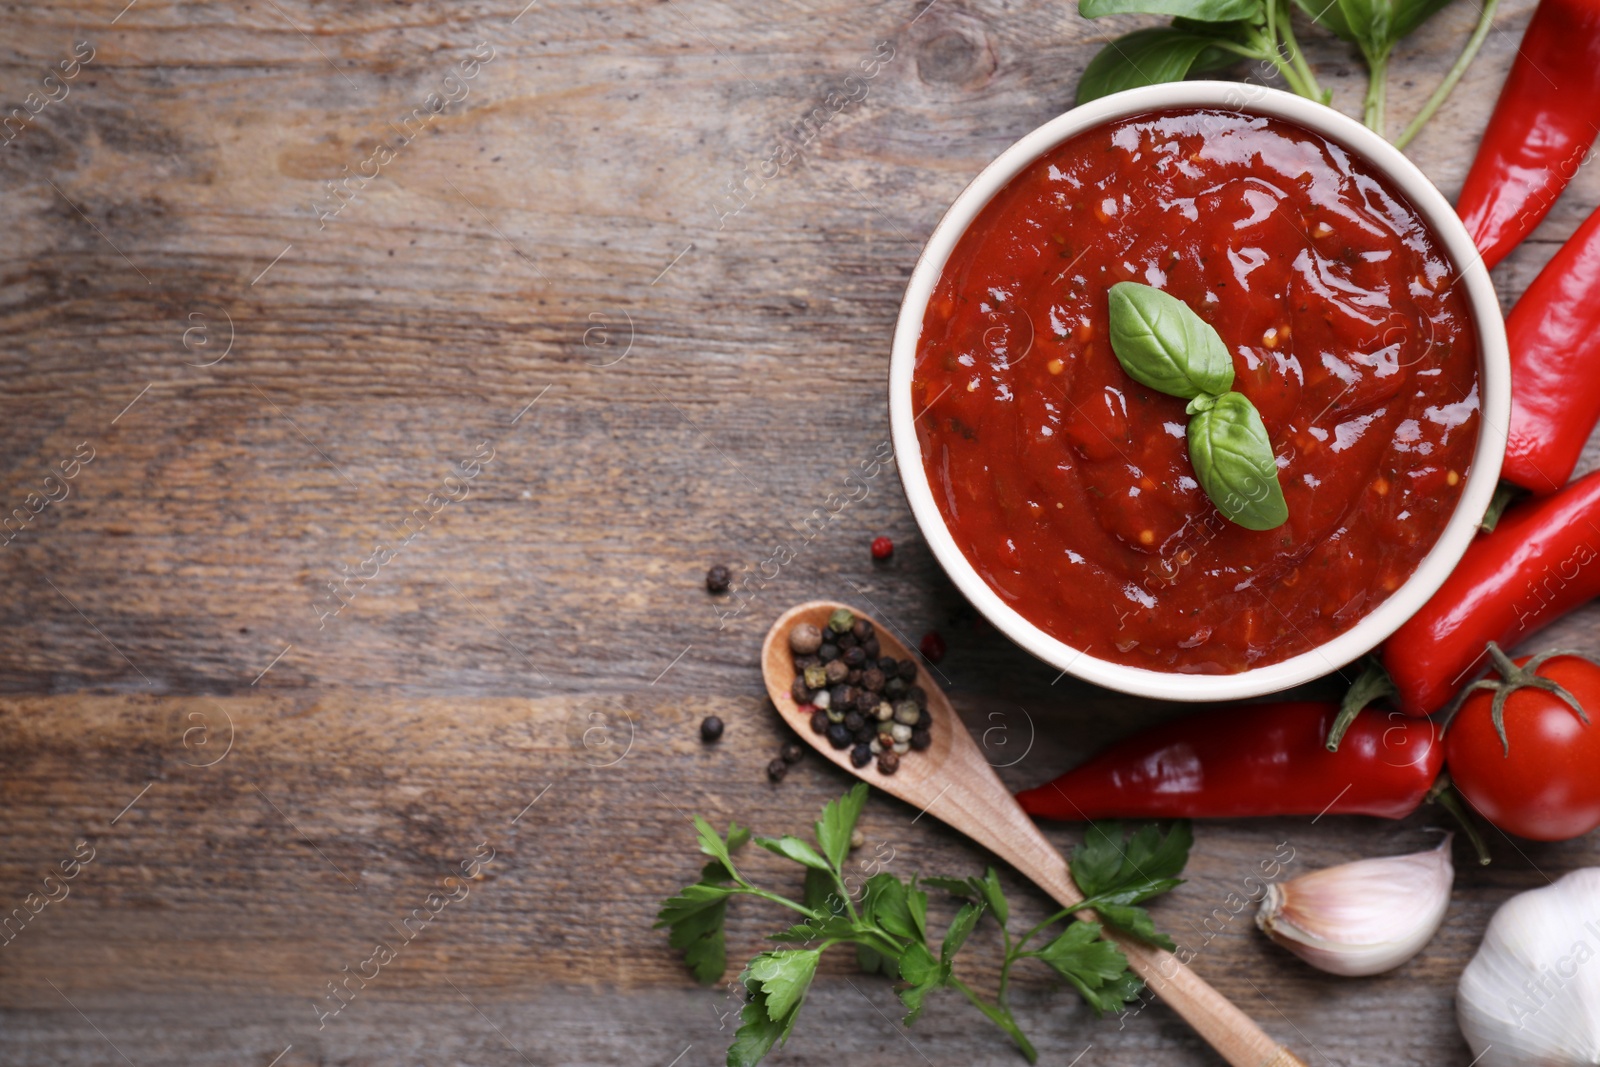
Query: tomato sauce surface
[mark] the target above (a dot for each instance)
(1068, 485)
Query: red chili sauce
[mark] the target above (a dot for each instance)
(1068, 485)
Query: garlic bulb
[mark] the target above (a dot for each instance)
(1532, 993)
(1364, 917)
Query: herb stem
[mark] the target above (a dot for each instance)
(1297, 59)
(1377, 92)
(1470, 52)
(747, 888)
(1000, 1017)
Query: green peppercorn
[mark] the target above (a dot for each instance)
(816, 677)
(841, 621)
(906, 713)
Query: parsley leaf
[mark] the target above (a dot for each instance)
(838, 822)
(695, 916)
(1095, 968)
(795, 849)
(1116, 875)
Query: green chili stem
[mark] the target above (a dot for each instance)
(1464, 60)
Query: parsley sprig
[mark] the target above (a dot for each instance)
(888, 924)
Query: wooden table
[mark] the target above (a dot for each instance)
(549, 267)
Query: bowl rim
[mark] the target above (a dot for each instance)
(1494, 381)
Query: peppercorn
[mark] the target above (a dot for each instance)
(872, 680)
(889, 666)
(906, 713)
(846, 641)
(835, 671)
(853, 657)
(885, 739)
(865, 735)
(894, 688)
(925, 720)
(841, 620)
(871, 648)
(908, 669)
(816, 677)
(843, 696)
(884, 711)
(718, 578)
(777, 769)
(888, 762)
(932, 646)
(838, 736)
(866, 701)
(860, 756)
(902, 747)
(853, 678)
(828, 652)
(921, 739)
(862, 630)
(822, 700)
(857, 839)
(804, 638)
(710, 729)
(882, 548)
(900, 732)
(819, 721)
(800, 691)
(853, 721)
(791, 752)
(802, 662)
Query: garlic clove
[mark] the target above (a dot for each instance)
(1531, 994)
(1361, 918)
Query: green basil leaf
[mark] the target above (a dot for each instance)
(1162, 343)
(1199, 10)
(1329, 15)
(1233, 462)
(1410, 14)
(1150, 57)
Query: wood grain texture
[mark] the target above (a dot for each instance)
(702, 380)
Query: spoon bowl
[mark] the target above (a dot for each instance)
(952, 781)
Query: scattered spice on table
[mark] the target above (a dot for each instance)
(718, 578)
(710, 729)
(857, 698)
(932, 646)
(777, 769)
(882, 548)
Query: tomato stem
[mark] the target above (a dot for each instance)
(1444, 794)
(1513, 678)
(1371, 684)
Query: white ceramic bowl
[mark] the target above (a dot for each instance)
(1493, 370)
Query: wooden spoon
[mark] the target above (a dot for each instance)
(953, 782)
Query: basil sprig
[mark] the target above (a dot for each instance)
(1163, 344)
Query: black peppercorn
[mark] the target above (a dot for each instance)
(865, 735)
(718, 578)
(838, 736)
(853, 678)
(835, 671)
(888, 762)
(843, 696)
(921, 738)
(800, 691)
(866, 701)
(710, 728)
(777, 769)
(853, 721)
(828, 652)
(792, 752)
(871, 648)
(819, 721)
(908, 669)
(894, 688)
(802, 662)
(853, 657)
(872, 680)
(924, 721)
(889, 666)
(846, 641)
(860, 756)
(862, 630)
(918, 695)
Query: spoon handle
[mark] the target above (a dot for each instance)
(1234, 1035)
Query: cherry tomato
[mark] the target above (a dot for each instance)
(1541, 780)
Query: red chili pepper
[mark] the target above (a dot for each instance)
(1554, 335)
(1534, 567)
(1254, 759)
(1542, 126)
